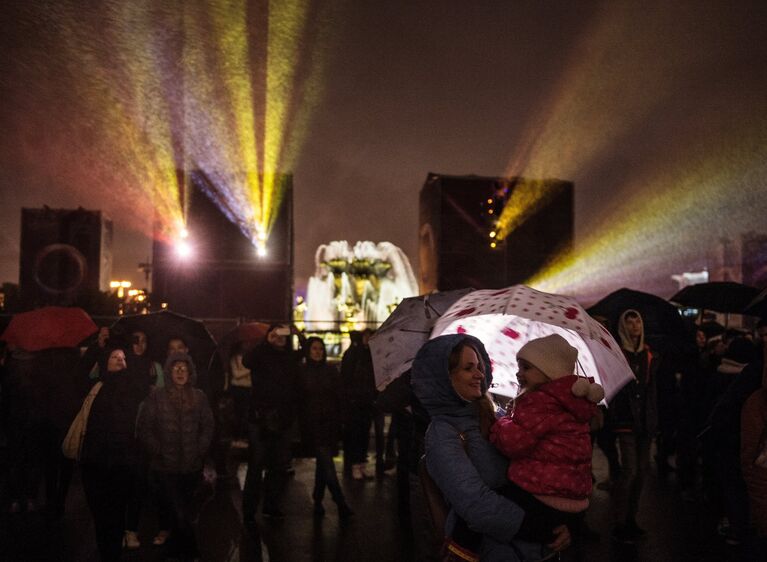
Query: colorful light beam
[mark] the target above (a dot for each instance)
(222, 86)
(670, 204)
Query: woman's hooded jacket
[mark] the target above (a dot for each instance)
(176, 424)
(467, 473)
(110, 437)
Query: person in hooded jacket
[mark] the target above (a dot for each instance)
(450, 377)
(177, 427)
(321, 393)
(109, 451)
(546, 435)
(633, 417)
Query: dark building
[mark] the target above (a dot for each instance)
(461, 244)
(224, 278)
(66, 255)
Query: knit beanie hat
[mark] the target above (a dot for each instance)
(177, 356)
(552, 355)
(556, 358)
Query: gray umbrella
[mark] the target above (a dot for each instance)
(407, 328)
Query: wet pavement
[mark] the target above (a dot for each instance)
(677, 530)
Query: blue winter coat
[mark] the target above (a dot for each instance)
(467, 477)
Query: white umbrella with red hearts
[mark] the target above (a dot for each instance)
(504, 320)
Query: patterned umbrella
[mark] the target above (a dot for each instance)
(49, 327)
(507, 319)
(407, 328)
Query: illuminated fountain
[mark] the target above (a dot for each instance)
(357, 287)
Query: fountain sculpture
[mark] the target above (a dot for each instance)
(355, 288)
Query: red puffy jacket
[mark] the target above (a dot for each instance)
(546, 438)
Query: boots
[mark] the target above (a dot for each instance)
(344, 511)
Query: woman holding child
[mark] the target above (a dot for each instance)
(450, 378)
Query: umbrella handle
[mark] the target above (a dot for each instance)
(580, 368)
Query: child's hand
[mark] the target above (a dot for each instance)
(499, 411)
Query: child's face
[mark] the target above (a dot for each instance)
(529, 376)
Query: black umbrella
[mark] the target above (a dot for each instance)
(712, 329)
(663, 325)
(719, 296)
(161, 326)
(758, 306)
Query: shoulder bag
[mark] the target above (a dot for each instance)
(72, 445)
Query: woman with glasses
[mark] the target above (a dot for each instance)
(177, 427)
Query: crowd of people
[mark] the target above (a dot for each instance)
(515, 478)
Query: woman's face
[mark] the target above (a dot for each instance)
(116, 361)
(316, 351)
(139, 343)
(466, 377)
(530, 377)
(180, 373)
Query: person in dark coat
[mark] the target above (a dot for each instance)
(25, 419)
(141, 366)
(176, 426)
(110, 447)
(274, 369)
(740, 376)
(359, 399)
(633, 417)
(321, 394)
(45, 397)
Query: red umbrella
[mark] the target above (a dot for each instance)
(249, 334)
(49, 327)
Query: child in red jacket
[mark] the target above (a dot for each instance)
(545, 435)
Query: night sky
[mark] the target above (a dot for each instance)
(657, 113)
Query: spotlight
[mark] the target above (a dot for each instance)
(184, 233)
(261, 251)
(184, 249)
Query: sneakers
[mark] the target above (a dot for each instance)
(161, 538)
(130, 540)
